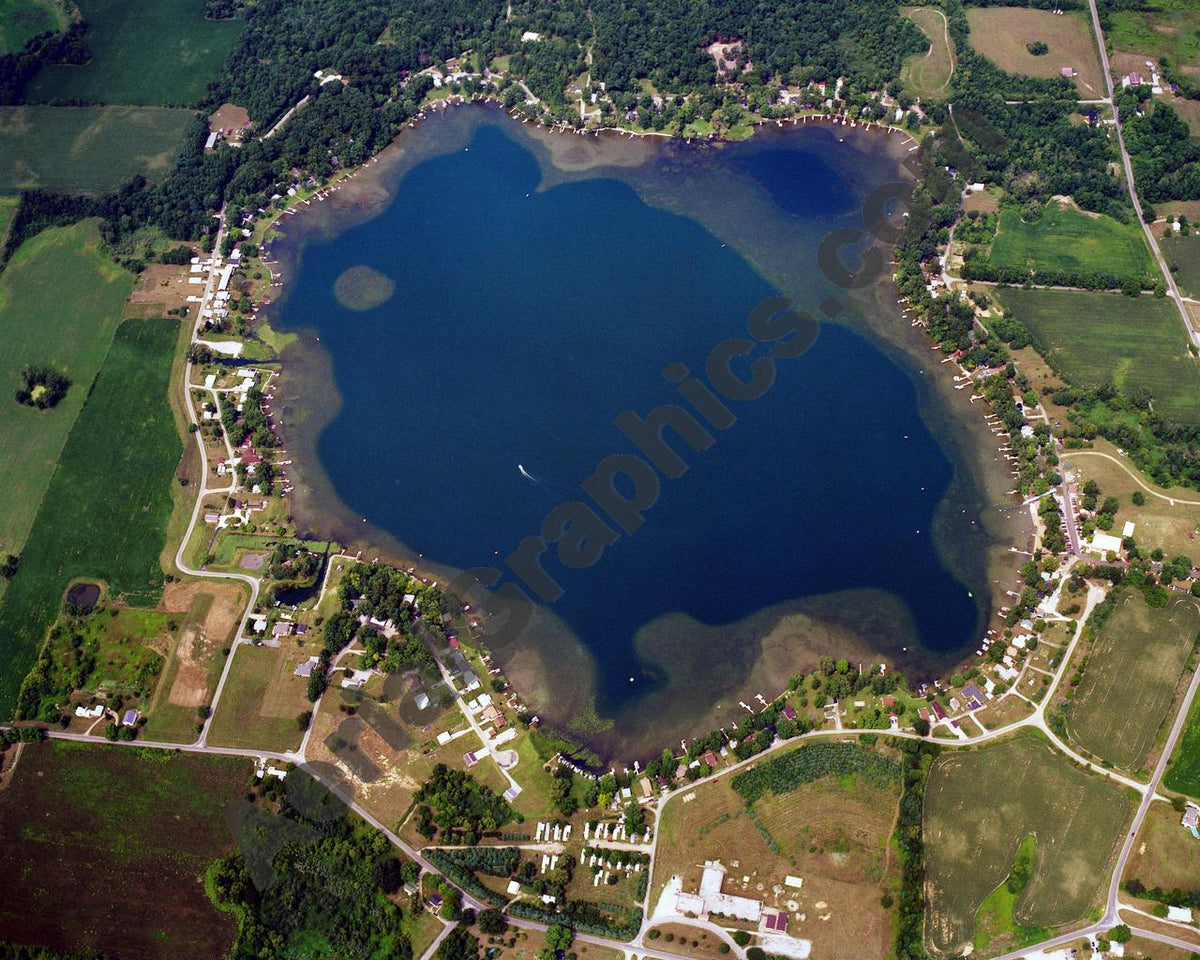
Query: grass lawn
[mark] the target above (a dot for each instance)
(144, 52)
(996, 918)
(928, 74)
(1129, 683)
(1095, 337)
(262, 699)
(1169, 520)
(1065, 238)
(105, 850)
(20, 20)
(1002, 33)
(105, 511)
(1165, 855)
(89, 150)
(1184, 253)
(60, 301)
(1170, 27)
(1184, 773)
(981, 804)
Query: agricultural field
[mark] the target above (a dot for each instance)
(1169, 520)
(1002, 34)
(1066, 238)
(105, 512)
(105, 850)
(834, 832)
(60, 301)
(929, 74)
(262, 699)
(208, 614)
(981, 804)
(1095, 337)
(8, 210)
(21, 20)
(1183, 253)
(1158, 28)
(188, 52)
(1129, 684)
(1183, 774)
(88, 150)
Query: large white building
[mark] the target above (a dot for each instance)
(710, 899)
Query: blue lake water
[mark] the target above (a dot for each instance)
(523, 320)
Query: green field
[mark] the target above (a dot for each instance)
(89, 150)
(1065, 238)
(60, 300)
(928, 74)
(105, 850)
(1095, 337)
(1183, 256)
(22, 19)
(1170, 27)
(1129, 682)
(105, 512)
(144, 52)
(1184, 773)
(981, 804)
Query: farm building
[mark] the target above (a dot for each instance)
(710, 899)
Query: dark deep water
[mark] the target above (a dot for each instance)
(522, 322)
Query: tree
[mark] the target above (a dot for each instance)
(635, 818)
(1120, 934)
(492, 922)
(8, 568)
(559, 936)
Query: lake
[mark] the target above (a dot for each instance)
(495, 302)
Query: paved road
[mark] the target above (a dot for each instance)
(1172, 289)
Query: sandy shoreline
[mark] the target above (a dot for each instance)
(788, 636)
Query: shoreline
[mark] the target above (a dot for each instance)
(362, 200)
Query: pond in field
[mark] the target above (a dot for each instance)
(492, 302)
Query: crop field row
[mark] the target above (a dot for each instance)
(105, 512)
(1066, 238)
(88, 150)
(60, 300)
(144, 53)
(1131, 676)
(1135, 342)
(105, 850)
(981, 804)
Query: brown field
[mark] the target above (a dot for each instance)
(986, 202)
(834, 836)
(228, 116)
(163, 287)
(211, 614)
(1001, 33)
(1147, 949)
(1165, 854)
(1005, 710)
(1169, 520)
(979, 806)
(104, 851)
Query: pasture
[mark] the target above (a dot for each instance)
(1129, 683)
(21, 20)
(60, 301)
(1066, 238)
(1183, 775)
(1091, 338)
(262, 699)
(144, 53)
(105, 511)
(105, 850)
(1002, 34)
(928, 74)
(834, 832)
(88, 150)
(1167, 521)
(1183, 256)
(981, 804)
